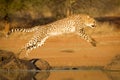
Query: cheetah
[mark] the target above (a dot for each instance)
(72, 24)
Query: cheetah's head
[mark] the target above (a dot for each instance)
(90, 22)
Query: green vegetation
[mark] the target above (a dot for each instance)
(22, 10)
(57, 7)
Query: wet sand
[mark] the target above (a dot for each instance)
(69, 50)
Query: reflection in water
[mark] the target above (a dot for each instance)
(42, 75)
(113, 75)
(84, 75)
(60, 75)
(24, 75)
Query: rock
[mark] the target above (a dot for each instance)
(41, 64)
(114, 64)
(8, 61)
(13, 68)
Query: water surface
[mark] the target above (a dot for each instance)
(60, 75)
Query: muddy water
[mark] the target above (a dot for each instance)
(60, 75)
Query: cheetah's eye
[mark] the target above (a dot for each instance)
(93, 26)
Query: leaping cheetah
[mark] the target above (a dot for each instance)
(72, 24)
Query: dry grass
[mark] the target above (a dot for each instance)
(103, 29)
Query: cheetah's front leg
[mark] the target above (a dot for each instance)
(83, 35)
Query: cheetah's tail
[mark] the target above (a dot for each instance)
(22, 30)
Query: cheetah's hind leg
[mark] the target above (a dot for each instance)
(40, 40)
